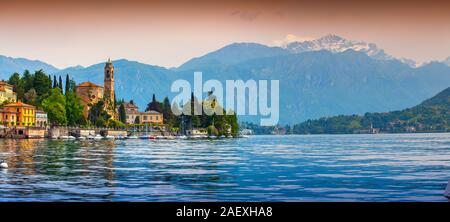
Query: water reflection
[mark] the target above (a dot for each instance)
(262, 168)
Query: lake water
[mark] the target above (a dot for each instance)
(392, 167)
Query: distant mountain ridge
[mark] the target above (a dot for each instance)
(432, 115)
(9, 65)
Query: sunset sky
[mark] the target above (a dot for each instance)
(168, 33)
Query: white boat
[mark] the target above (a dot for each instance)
(160, 137)
(82, 138)
(98, 137)
(63, 137)
(71, 137)
(3, 164)
(54, 137)
(132, 137)
(181, 137)
(213, 137)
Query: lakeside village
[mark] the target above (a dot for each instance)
(37, 106)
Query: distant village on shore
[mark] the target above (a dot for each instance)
(35, 106)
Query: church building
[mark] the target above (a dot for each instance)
(91, 93)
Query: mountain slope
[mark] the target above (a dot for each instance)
(133, 80)
(10, 65)
(232, 54)
(432, 115)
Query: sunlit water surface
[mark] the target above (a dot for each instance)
(402, 167)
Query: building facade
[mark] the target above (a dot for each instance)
(8, 118)
(91, 93)
(133, 114)
(6, 93)
(41, 118)
(25, 116)
(151, 117)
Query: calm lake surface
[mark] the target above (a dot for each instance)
(392, 167)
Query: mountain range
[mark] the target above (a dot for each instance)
(324, 77)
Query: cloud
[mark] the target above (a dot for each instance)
(292, 38)
(247, 16)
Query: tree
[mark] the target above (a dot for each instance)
(55, 106)
(169, 117)
(98, 115)
(60, 84)
(74, 110)
(31, 97)
(137, 120)
(67, 83)
(55, 82)
(154, 105)
(122, 113)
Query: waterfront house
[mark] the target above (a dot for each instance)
(8, 118)
(149, 117)
(41, 118)
(25, 113)
(6, 93)
(152, 117)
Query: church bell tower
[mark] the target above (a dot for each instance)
(109, 96)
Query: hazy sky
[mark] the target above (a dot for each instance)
(168, 33)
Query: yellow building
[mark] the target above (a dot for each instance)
(26, 115)
(152, 117)
(7, 93)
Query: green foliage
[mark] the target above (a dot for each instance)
(122, 113)
(55, 106)
(74, 110)
(97, 114)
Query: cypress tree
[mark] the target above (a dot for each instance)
(55, 83)
(60, 84)
(67, 83)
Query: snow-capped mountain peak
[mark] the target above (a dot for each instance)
(337, 44)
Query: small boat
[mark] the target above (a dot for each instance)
(3, 164)
(132, 137)
(181, 137)
(152, 137)
(98, 137)
(71, 137)
(63, 137)
(54, 137)
(447, 190)
(82, 138)
(121, 137)
(213, 137)
(160, 137)
(109, 137)
(90, 137)
(144, 137)
(170, 137)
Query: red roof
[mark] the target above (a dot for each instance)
(88, 84)
(18, 104)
